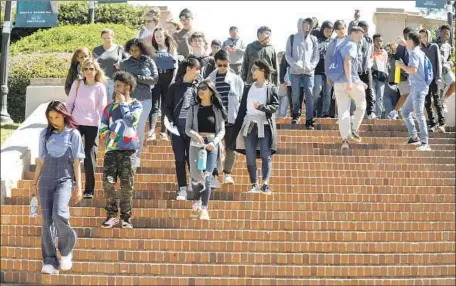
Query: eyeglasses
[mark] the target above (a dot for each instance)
(203, 87)
(222, 66)
(89, 69)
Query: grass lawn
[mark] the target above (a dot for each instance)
(7, 130)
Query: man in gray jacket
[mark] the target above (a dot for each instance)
(236, 50)
(432, 51)
(302, 55)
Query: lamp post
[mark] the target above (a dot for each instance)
(91, 12)
(4, 116)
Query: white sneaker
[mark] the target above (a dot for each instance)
(228, 179)
(49, 269)
(204, 215)
(424, 147)
(372, 116)
(196, 209)
(215, 183)
(345, 145)
(182, 194)
(66, 262)
(393, 115)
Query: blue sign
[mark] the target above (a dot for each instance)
(36, 14)
(111, 1)
(438, 4)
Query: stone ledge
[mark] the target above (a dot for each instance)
(20, 149)
(47, 81)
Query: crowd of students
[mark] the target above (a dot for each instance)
(221, 99)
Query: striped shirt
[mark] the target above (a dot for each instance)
(188, 101)
(223, 88)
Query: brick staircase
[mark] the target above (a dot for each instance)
(380, 213)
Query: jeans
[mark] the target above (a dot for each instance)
(283, 106)
(90, 134)
(434, 94)
(109, 84)
(415, 104)
(251, 141)
(181, 145)
(379, 90)
(211, 163)
(230, 155)
(390, 97)
(147, 106)
(344, 102)
(158, 98)
(322, 84)
(308, 82)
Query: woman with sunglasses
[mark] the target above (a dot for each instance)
(165, 56)
(181, 96)
(255, 127)
(144, 69)
(86, 103)
(60, 152)
(206, 128)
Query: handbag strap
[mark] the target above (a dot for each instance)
(78, 84)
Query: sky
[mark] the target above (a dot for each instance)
(215, 17)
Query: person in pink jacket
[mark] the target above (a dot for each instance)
(86, 102)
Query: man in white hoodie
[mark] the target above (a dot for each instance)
(303, 56)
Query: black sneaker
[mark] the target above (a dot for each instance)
(295, 121)
(265, 190)
(88, 196)
(355, 136)
(414, 141)
(310, 125)
(110, 222)
(126, 223)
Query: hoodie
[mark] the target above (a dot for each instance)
(256, 51)
(323, 44)
(303, 56)
(146, 74)
(431, 50)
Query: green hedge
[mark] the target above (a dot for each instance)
(76, 12)
(23, 68)
(68, 38)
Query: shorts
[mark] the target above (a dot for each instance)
(404, 87)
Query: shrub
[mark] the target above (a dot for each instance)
(25, 67)
(76, 12)
(69, 38)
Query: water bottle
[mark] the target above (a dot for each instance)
(34, 206)
(397, 74)
(202, 159)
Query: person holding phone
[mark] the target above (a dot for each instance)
(119, 130)
(235, 47)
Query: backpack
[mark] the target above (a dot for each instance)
(428, 72)
(336, 67)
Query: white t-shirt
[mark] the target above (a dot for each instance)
(256, 94)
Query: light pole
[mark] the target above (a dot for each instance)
(450, 20)
(4, 115)
(91, 12)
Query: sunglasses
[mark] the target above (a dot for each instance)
(89, 69)
(203, 87)
(184, 19)
(222, 66)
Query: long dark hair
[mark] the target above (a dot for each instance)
(74, 59)
(216, 100)
(169, 41)
(68, 119)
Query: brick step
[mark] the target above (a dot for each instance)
(357, 149)
(299, 180)
(315, 205)
(166, 191)
(127, 239)
(185, 222)
(247, 258)
(224, 279)
(282, 271)
(295, 175)
(153, 165)
(299, 215)
(328, 242)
